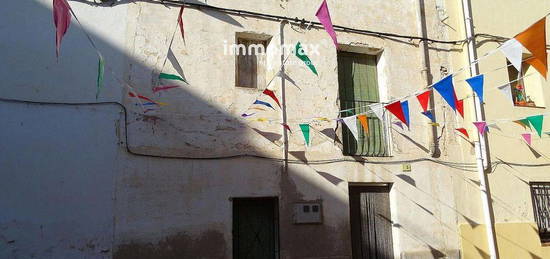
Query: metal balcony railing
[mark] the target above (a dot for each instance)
(373, 144)
(540, 192)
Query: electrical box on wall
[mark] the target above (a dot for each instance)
(308, 213)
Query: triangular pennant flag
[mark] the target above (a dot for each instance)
(247, 115)
(263, 103)
(446, 90)
(398, 124)
(430, 115)
(163, 88)
(100, 75)
(481, 126)
(476, 83)
(463, 131)
(351, 123)
(397, 110)
(324, 17)
(423, 99)
(405, 108)
(513, 50)
(460, 107)
(62, 20)
(523, 122)
(141, 97)
(257, 108)
(527, 138)
(536, 121)
(494, 126)
(171, 77)
(534, 40)
(300, 53)
(305, 131)
(286, 127)
(177, 67)
(363, 119)
(272, 95)
(507, 92)
(378, 110)
(180, 23)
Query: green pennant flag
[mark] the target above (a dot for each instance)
(536, 121)
(524, 123)
(100, 75)
(305, 131)
(302, 56)
(171, 77)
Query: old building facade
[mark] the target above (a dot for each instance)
(193, 178)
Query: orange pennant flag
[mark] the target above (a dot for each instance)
(534, 40)
(363, 119)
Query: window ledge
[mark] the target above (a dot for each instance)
(528, 106)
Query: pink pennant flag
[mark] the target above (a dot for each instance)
(324, 17)
(163, 87)
(481, 126)
(527, 138)
(62, 20)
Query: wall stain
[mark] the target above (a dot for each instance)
(209, 244)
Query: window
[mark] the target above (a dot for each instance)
(540, 193)
(250, 60)
(358, 87)
(526, 85)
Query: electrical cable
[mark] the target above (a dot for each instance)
(455, 165)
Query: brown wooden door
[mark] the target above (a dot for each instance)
(371, 224)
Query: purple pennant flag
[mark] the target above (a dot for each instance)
(399, 124)
(481, 126)
(324, 17)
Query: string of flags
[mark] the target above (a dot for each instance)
(533, 39)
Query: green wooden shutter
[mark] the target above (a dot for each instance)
(358, 87)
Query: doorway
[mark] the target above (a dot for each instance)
(255, 228)
(370, 219)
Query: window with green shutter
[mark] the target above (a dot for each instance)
(358, 87)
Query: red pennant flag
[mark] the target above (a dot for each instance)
(163, 87)
(423, 99)
(141, 97)
(534, 39)
(272, 95)
(180, 22)
(286, 127)
(62, 20)
(463, 131)
(460, 107)
(397, 110)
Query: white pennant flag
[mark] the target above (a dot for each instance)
(506, 90)
(494, 126)
(378, 109)
(513, 50)
(351, 122)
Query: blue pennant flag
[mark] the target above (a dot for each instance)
(430, 115)
(446, 90)
(476, 83)
(405, 107)
(264, 103)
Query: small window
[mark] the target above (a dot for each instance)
(250, 53)
(526, 85)
(358, 88)
(540, 193)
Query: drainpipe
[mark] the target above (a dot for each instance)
(427, 74)
(283, 94)
(481, 144)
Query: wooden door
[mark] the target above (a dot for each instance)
(371, 224)
(255, 228)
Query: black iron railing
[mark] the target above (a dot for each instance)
(374, 143)
(540, 192)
